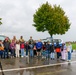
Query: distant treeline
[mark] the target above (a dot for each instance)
(74, 42)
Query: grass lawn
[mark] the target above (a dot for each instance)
(74, 46)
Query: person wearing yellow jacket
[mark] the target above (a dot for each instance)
(1, 49)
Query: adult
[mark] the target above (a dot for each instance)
(1, 49)
(21, 39)
(17, 48)
(12, 48)
(58, 50)
(6, 44)
(63, 52)
(31, 45)
(22, 46)
(69, 50)
(31, 41)
(27, 48)
(14, 39)
(39, 47)
(35, 52)
(52, 51)
(44, 46)
(48, 48)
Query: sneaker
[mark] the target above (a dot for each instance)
(26, 55)
(68, 60)
(22, 56)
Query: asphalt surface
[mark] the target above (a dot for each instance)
(38, 66)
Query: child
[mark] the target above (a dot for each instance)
(27, 48)
(12, 48)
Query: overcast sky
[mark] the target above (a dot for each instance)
(17, 18)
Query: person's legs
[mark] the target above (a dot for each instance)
(69, 56)
(14, 53)
(57, 55)
(37, 53)
(11, 53)
(1, 54)
(4, 54)
(34, 51)
(22, 52)
(7, 53)
(47, 53)
(18, 53)
(53, 55)
(26, 52)
(64, 55)
(31, 52)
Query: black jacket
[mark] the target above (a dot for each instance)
(52, 48)
(6, 45)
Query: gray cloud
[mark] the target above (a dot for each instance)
(17, 18)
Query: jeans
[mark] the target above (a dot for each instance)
(1, 53)
(69, 55)
(58, 55)
(47, 53)
(31, 52)
(13, 52)
(52, 55)
(22, 52)
(6, 53)
(26, 52)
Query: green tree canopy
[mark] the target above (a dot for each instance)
(51, 18)
(0, 21)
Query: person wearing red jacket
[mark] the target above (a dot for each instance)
(58, 50)
(22, 47)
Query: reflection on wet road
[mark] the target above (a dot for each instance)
(38, 66)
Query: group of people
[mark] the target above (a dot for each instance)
(61, 51)
(20, 48)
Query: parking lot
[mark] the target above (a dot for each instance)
(38, 66)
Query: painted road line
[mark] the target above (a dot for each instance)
(42, 66)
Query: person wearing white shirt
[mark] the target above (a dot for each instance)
(17, 48)
(69, 50)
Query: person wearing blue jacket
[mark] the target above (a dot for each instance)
(39, 47)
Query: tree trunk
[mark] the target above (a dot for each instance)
(52, 38)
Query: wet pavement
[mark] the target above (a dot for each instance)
(38, 66)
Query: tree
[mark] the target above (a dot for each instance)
(0, 21)
(52, 19)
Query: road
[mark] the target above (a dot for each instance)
(38, 66)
